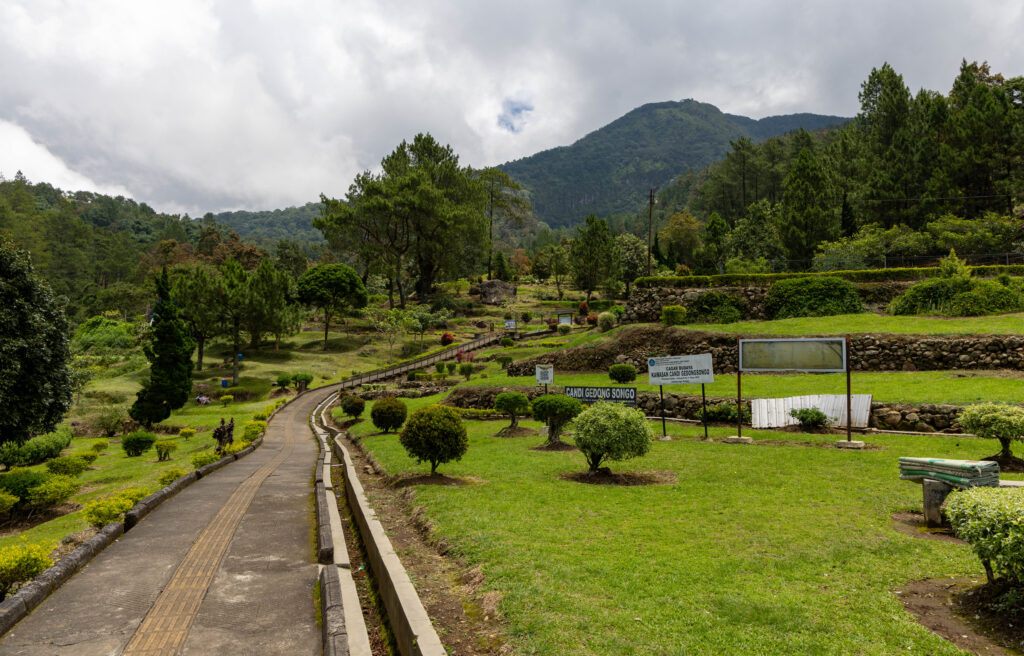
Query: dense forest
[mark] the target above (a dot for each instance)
(267, 227)
(610, 170)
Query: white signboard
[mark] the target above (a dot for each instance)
(545, 374)
(565, 319)
(680, 370)
(510, 324)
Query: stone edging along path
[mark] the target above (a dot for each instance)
(30, 595)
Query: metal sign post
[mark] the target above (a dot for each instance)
(661, 391)
(680, 370)
(545, 374)
(704, 409)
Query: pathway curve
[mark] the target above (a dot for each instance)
(224, 567)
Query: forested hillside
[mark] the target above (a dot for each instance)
(269, 226)
(911, 177)
(610, 170)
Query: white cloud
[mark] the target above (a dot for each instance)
(203, 105)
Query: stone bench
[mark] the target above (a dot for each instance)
(940, 476)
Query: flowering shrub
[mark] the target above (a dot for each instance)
(447, 338)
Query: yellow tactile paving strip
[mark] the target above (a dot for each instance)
(166, 626)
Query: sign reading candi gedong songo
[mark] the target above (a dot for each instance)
(625, 395)
(821, 354)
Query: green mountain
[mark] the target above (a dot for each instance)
(611, 169)
(266, 227)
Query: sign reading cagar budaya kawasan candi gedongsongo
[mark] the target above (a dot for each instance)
(680, 370)
(625, 395)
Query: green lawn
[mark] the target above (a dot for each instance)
(955, 387)
(1003, 324)
(756, 549)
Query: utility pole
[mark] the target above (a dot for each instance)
(650, 224)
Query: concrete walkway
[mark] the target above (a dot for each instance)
(224, 567)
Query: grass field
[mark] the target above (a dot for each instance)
(956, 387)
(755, 550)
(1003, 324)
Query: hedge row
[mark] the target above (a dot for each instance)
(862, 275)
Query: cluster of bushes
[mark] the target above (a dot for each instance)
(956, 293)
(269, 409)
(819, 296)
(112, 508)
(26, 491)
(298, 380)
(716, 307)
(36, 450)
(724, 412)
(859, 275)
(103, 333)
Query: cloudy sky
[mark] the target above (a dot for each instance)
(195, 106)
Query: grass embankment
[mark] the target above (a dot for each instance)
(756, 549)
(1003, 324)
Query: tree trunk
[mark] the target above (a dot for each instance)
(391, 293)
(433, 467)
(234, 353)
(515, 422)
(327, 325)
(1006, 453)
(200, 345)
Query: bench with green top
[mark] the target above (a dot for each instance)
(939, 476)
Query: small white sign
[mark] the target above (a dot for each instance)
(565, 320)
(545, 374)
(510, 324)
(680, 370)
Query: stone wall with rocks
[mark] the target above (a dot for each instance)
(927, 418)
(644, 304)
(867, 352)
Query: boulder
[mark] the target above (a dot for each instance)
(493, 292)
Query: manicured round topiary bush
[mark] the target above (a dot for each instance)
(352, 405)
(440, 368)
(302, 380)
(506, 342)
(556, 410)
(513, 404)
(813, 296)
(564, 329)
(991, 520)
(435, 434)
(673, 315)
(186, 433)
(226, 399)
(164, 449)
(611, 431)
(526, 316)
(466, 370)
(605, 321)
(137, 443)
(388, 413)
(284, 380)
(622, 373)
(451, 366)
(997, 422)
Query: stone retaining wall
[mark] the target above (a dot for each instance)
(867, 352)
(926, 418)
(644, 304)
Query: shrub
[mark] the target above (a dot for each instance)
(104, 510)
(435, 434)
(451, 367)
(237, 393)
(526, 316)
(673, 315)
(447, 338)
(504, 361)
(506, 342)
(19, 481)
(52, 491)
(36, 450)
(21, 562)
(817, 296)
(556, 410)
(466, 369)
(618, 311)
(622, 373)
(100, 445)
(7, 502)
(985, 297)
(995, 421)
(89, 457)
(991, 520)
(564, 329)
(164, 449)
(388, 413)
(552, 326)
(810, 417)
(584, 308)
(251, 431)
(302, 380)
(110, 420)
(283, 380)
(512, 404)
(724, 412)
(605, 321)
(611, 431)
(137, 443)
(716, 307)
(67, 465)
(440, 368)
(226, 399)
(204, 458)
(353, 406)
(168, 476)
(186, 433)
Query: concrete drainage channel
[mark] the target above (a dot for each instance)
(344, 631)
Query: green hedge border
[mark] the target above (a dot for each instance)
(863, 275)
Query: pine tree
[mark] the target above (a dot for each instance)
(170, 361)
